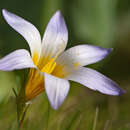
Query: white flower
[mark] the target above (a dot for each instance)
(52, 66)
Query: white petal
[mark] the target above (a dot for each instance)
(96, 81)
(18, 59)
(55, 36)
(82, 55)
(26, 29)
(56, 89)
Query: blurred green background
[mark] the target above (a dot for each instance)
(104, 23)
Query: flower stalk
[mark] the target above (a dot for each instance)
(21, 104)
(21, 107)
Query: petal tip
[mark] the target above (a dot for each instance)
(110, 50)
(4, 11)
(121, 92)
(58, 13)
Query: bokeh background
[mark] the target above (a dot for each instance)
(104, 23)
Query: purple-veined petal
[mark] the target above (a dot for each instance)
(82, 55)
(96, 81)
(56, 89)
(18, 59)
(55, 37)
(26, 29)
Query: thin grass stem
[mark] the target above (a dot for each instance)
(95, 119)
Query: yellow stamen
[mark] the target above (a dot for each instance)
(49, 67)
(35, 58)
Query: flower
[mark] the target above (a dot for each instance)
(51, 67)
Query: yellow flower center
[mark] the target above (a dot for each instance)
(35, 83)
(49, 67)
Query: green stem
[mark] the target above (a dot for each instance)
(21, 106)
(23, 116)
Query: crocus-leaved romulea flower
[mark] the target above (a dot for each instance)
(51, 67)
